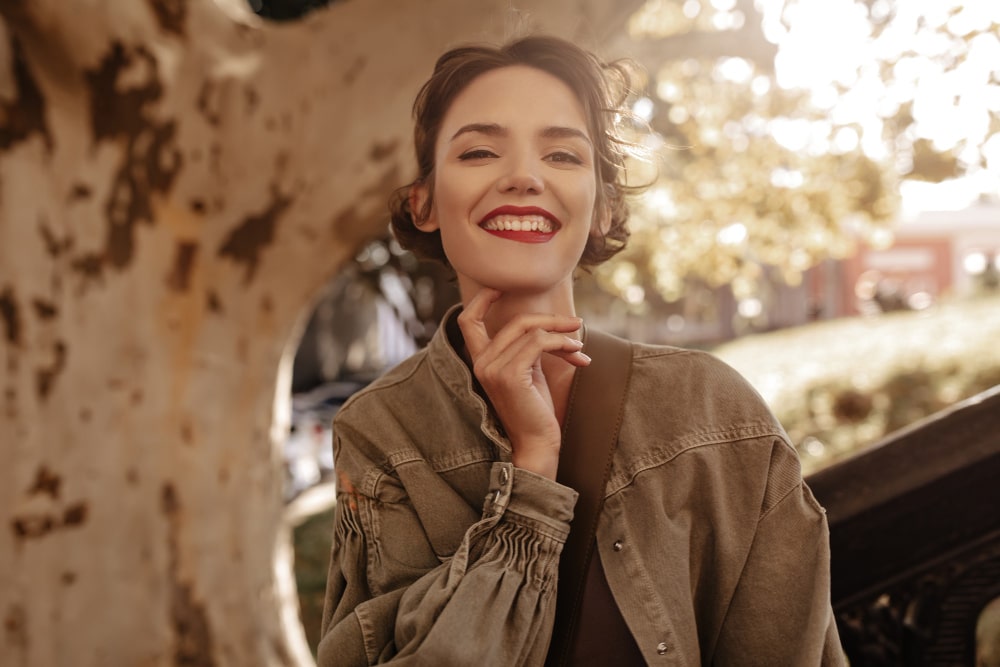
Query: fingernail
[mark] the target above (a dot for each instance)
(585, 357)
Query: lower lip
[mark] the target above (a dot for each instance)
(523, 237)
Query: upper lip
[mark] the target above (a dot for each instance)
(521, 210)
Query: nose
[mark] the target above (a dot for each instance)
(522, 177)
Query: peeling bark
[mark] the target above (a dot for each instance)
(193, 637)
(44, 310)
(46, 376)
(33, 526)
(25, 115)
(46, 482)
(252, 236)
(171, 15)
(151, 161)
(180, 275)
(10, 313)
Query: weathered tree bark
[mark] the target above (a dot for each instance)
(177, 180)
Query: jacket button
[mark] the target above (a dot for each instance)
(617, 546)
(496, 496)
(504, 475)
(661, 648)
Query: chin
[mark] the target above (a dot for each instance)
(520, 284)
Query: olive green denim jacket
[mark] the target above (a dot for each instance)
(445, 554)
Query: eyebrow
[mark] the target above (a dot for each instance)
(495, 130)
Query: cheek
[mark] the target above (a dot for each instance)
(450, 196)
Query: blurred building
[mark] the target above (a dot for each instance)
(934, 255)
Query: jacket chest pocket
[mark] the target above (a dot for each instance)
(439, 515)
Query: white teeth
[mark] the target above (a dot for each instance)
(513, 223)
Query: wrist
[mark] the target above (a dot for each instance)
(544, 462)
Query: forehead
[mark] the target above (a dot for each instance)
(518, 98)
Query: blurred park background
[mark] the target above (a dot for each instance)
(824, 215)
(196, 273)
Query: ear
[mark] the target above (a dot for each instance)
(419, 195)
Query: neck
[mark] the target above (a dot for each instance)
(559, 300)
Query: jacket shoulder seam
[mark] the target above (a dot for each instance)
(386, 382)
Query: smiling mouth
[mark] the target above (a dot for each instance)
(519, 223)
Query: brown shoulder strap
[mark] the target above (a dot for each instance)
(590, 433)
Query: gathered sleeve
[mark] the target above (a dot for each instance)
(491, 602)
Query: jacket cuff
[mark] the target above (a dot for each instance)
(531, 499)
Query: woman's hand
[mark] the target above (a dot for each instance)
(509, 367)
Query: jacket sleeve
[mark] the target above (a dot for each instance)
(491, 603)
(780, 613)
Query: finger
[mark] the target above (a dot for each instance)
(577, 358)
(529, 322)
(523, 328)
(471, 320)
(480, 303)
(515, 362)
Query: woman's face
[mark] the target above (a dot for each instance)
(514, 183)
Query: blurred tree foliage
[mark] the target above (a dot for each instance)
(750, 173)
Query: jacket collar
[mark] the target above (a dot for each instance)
(445, 358)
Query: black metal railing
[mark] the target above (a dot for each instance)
(915, 538)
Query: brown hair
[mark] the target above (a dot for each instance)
(601, 89)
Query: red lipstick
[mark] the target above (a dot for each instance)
(531, 224)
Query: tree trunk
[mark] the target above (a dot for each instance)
(177, 180)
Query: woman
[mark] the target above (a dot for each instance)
(711, 550)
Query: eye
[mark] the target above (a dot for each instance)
(477, 154)
(563, 156)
